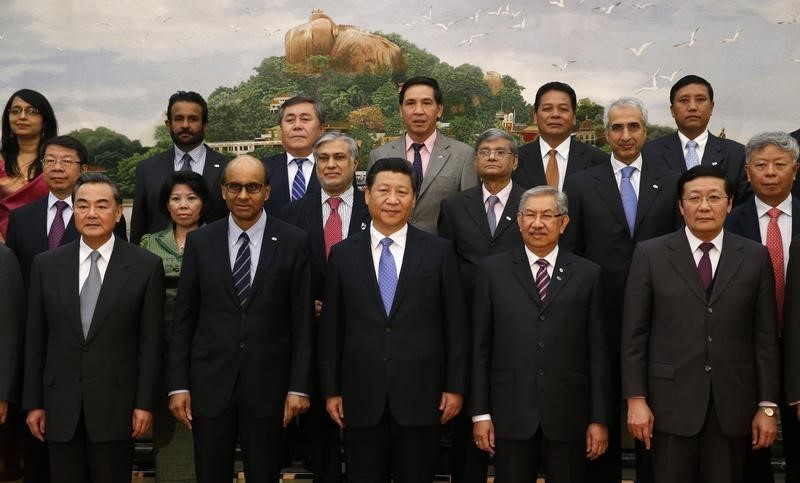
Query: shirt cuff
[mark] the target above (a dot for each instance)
(768, 404)
(295, 393)
(177, 391)
(481, 417)
(794, 403)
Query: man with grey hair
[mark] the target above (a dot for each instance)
(541, 377)
(329, 214)
(613, 206)
(769, 218)
(480, 222)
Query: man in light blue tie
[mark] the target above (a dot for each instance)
(612, 207)
(393, 336)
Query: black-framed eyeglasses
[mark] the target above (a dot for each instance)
(29, 111)
(251, 188)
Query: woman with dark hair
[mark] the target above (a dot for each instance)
(28, 119)
(185, 198)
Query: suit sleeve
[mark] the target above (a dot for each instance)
(151, 337)
(636, 325)
(11, 323)
(302, 308)
(456, 324)
(330, 335)
(35, 341)
(139, 210)
(443, 225)
(181, 331)
(599, 357)
(765, 333)
(791, 334)
(482, 343)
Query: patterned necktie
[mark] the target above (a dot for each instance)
(241, 269)
(491, 217)
(299, 182)
(551, 173)
(387, 275)
(628, 195)
(417, 165)
(692, 159)
(704, 267)
(89, 293)
(775, 248)
(186, 162)
(542, 279)
(333, 226)
(57, 228)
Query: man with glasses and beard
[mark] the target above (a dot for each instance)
(187, 121)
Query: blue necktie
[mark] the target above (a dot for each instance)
(241, 269)
(628, 195)
(692, 159)
(492, 200)
(299, 182)
(418, 163)
(387, 275)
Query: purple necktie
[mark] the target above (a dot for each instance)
(704, 267)
(57, 229)
(542, 279)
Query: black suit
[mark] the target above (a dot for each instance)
(27, 233)
(89, 386)
(280, 187)
(147, 216)
(240, 362)
(530, 171)
(391, 370)
(726, 154)
(703, 361)
(791, 338)
(743, 221)
(11, 326)
(540, 368)
(598, 231)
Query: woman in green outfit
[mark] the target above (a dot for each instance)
(185, 198)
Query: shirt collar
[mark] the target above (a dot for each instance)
(503, 194)
(428, 142)
(785, 206)
(550, 257)
(51, 200)
(399, 237)
(562, 149)
(105, 249)
(290, 158)
(694, 242)
(254, 232)
(700, 140)
(347, 196)
(617, 165)
(195, 153)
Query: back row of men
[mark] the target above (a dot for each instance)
(695, 352)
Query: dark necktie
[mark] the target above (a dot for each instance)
(551, 174)
(775, 248)
(542, 279)
(387, 275)
(333, 225)
(57, 228)
(628, 195)
(89, 293)
(418, 163)
(491, 217)
(704, 267)
(299, 182)
(186, 162)
(241, 269)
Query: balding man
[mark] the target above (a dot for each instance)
(240, 351)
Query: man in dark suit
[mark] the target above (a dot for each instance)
(393, 338)
(292, 172)
(240, 348)
(187, 121)
(31, 227)
(691, 102)
(328, 215)
(555, 154)
(540, 391)
(93, 342)
(11, 326)
(699, 341)
(796, 186)
(768, 218)
(612, 207)
(443, 166)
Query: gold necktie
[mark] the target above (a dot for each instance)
(552, 170)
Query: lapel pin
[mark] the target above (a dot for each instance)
(561, 269)
(363, 226)
(274, 238)
(216, 166)
(440, 156)
(558, 277)
(714, 163)
(508, 218)
(655, 186)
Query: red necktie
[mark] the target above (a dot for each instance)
(333, 226)
(704, 267)
(775, 248)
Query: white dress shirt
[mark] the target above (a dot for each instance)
(617, 166)
(713, 254)
(198, 162)
(85, 263)
(256, 235)
(397, 249)
(502, 195)
(562, 155)
(291, 169)
(701, 141)
(345, 209)
(784, 224)
(51, 210)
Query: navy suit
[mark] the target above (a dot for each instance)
(280, 189)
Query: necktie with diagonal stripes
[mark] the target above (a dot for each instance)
(241, 269)
(542, 278)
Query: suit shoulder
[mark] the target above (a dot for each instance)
(459, 146)
(581, 263)
(287, 229)
(746, 243)
(135, 251)
(154, 159)
(25, 211)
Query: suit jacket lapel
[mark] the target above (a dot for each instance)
(682, 260)
(69, 289)
(39, 222)
(649, 189)
(439, 157)
(673, 154)
(113, 282)
(269, 244)
(535, 167)
(476, 211)
(218, 239)
(713, 153)
(561, 273)
(748, 221)
(522, 272)
(729, 261)
(280, 190)
(508, 219)
(577, 158)
(212, 169)
(607, 189)
(366, 267)
(795, 216)
(312, 210)
(412, 256)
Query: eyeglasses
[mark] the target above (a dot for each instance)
(486, 152)
(236, 188)
(29, 111)
(546, 217)
(696, 200)
(65, 162)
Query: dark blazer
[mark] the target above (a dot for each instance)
(266, 345)
(406, 359)
(306, 214)
(530, 172)
(146, 216)
(743, 220)
(116, 368)
(27, 234)
(726, 154)
(280, 190)
(462, 220)
(540, 364)
(680, 345)
(598, 230)
(12, 317)
(791, 328)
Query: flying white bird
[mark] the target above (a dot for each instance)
(691, 40)
(642, 6)
(252, 10)
(640, 50)
(499, 9)
(671, 77)
(165, 19)
(271, 32)
(732, 39)
(563, 67)
(471, 39)
(796, 60)
(654, 83)
(476, 16)
(2, 36)
(444, 26)
(60, 49)
(557, 3)
(520, 25)
(516, 14)
(607, 10)
(429, 17)
(235, 28)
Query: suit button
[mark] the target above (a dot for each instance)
(241, 345)
(244, 316)
(710, 310)
(388, 329)
(709, 338)
(85, 349)
(707, 368)
(541, 317)
(385, 359)
(541, 344)
(492, 244)
(541, 372)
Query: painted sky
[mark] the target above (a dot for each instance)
(115, 64)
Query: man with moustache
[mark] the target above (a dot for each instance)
(187, 121)
(292, 172)
(555, 154)
(612, 207)
(443, 166)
